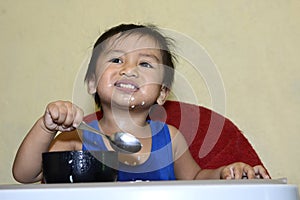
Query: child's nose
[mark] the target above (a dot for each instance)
(129, 70)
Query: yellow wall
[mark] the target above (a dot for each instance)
(254, 45)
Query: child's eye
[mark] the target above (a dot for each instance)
(145, 64)
(116, 60)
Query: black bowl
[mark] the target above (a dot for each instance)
(80, 166)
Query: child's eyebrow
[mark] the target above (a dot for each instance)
(150, 56)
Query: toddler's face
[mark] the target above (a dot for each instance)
(130, 72)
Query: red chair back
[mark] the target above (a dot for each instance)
(214, 141)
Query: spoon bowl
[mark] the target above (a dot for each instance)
(120, 141)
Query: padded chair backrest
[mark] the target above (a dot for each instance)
(214, 141)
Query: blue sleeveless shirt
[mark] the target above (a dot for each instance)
(160, 164)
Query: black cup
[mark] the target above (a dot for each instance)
(80, 166)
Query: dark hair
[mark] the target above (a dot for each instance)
(128, 29)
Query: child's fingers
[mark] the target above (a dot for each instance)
(67, 115)
(78, 116)
(243, 170)
(63, 116)
(70, 115)
(51, 116)
(238, 171)
(227, 173)
(261, 172)
(58, 111)
(52, 112)
(248, 172)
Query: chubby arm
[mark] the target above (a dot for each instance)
(186, 167)
(28, 161)
(59, 116)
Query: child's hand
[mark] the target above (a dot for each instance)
(62, 116)
(241, 170)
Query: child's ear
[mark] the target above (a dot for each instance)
(164, 93)
(92, 85)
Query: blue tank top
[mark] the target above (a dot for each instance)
(160, 164)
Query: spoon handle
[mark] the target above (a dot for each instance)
(85, 126)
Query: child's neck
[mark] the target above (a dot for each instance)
(131, 121)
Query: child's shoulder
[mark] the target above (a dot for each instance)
(173, 130)
(179, 144)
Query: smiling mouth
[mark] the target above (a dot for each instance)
(126, 86)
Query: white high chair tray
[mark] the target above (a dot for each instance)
(189, 190)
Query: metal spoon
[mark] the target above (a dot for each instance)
(120, 141)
